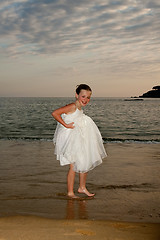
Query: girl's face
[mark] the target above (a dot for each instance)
(84, 97)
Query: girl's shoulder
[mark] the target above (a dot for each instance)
(70, 108)
(67, 109)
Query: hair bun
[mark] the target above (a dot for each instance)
(82, 87)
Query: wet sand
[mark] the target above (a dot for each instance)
(36, 228)
(34, 205)
(126, 184)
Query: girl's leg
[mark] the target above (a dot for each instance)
(82, 185)
(70, 181)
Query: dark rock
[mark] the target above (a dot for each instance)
(156, 87)
(155, 93)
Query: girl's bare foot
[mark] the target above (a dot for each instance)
(72, 195)
(85, 191)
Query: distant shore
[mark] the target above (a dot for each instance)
(154, 93)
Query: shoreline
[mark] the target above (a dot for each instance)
(105, 140)
(38, 228)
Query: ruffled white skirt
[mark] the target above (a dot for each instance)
(81, 146)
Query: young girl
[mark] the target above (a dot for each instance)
(77, 140)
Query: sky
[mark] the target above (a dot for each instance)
(47, 47)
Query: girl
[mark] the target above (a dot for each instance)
(77, 140)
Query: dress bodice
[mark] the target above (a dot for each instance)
(72, 116)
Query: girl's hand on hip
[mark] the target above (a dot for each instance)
(70, 125)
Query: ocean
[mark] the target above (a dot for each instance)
(126, 184)
(118, 119)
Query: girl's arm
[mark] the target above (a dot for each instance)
(66, 109)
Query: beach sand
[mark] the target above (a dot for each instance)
(36, 228)
(33, 202)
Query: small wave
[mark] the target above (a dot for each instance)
(58, 196)
(29, 139)
(118, 140)
(27, 197)
(105, 140)
(126, 186)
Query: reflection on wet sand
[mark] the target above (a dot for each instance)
(76, 209)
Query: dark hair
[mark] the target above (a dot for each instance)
(82, 87)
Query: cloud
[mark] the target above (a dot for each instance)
(111, 29)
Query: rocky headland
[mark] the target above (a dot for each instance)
(154, 93)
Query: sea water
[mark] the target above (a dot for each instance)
(118, 119)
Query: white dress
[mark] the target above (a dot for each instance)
(81, 146)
